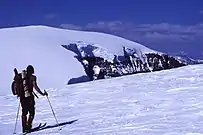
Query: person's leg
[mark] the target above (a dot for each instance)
(24, 114)
(31, 112)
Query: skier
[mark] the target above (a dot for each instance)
(27, 97)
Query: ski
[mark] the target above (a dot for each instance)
(35, 129)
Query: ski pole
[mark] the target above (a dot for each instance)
(14, 132)
(53, 111)
(35, 95)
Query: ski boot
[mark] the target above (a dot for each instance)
(24, 123)
(30, 119)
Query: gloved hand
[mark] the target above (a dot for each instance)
(45, 93)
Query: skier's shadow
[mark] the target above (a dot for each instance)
(56, 125)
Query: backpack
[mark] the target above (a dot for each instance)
(20, 84)
(17, 84)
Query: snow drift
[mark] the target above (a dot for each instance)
(41, 47)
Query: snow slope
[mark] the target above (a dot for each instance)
(41, 47)
(167, 102)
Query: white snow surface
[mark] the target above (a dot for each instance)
(168, 102)
(41, 47)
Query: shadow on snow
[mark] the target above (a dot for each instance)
(56, 125)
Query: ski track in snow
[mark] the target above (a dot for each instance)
(159, 103)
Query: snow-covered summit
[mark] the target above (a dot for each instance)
(106, 51)
(41, 47)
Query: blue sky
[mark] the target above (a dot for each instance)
(155, 23)
(81, 12)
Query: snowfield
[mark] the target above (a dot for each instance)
(168, 102)
(41, 46)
